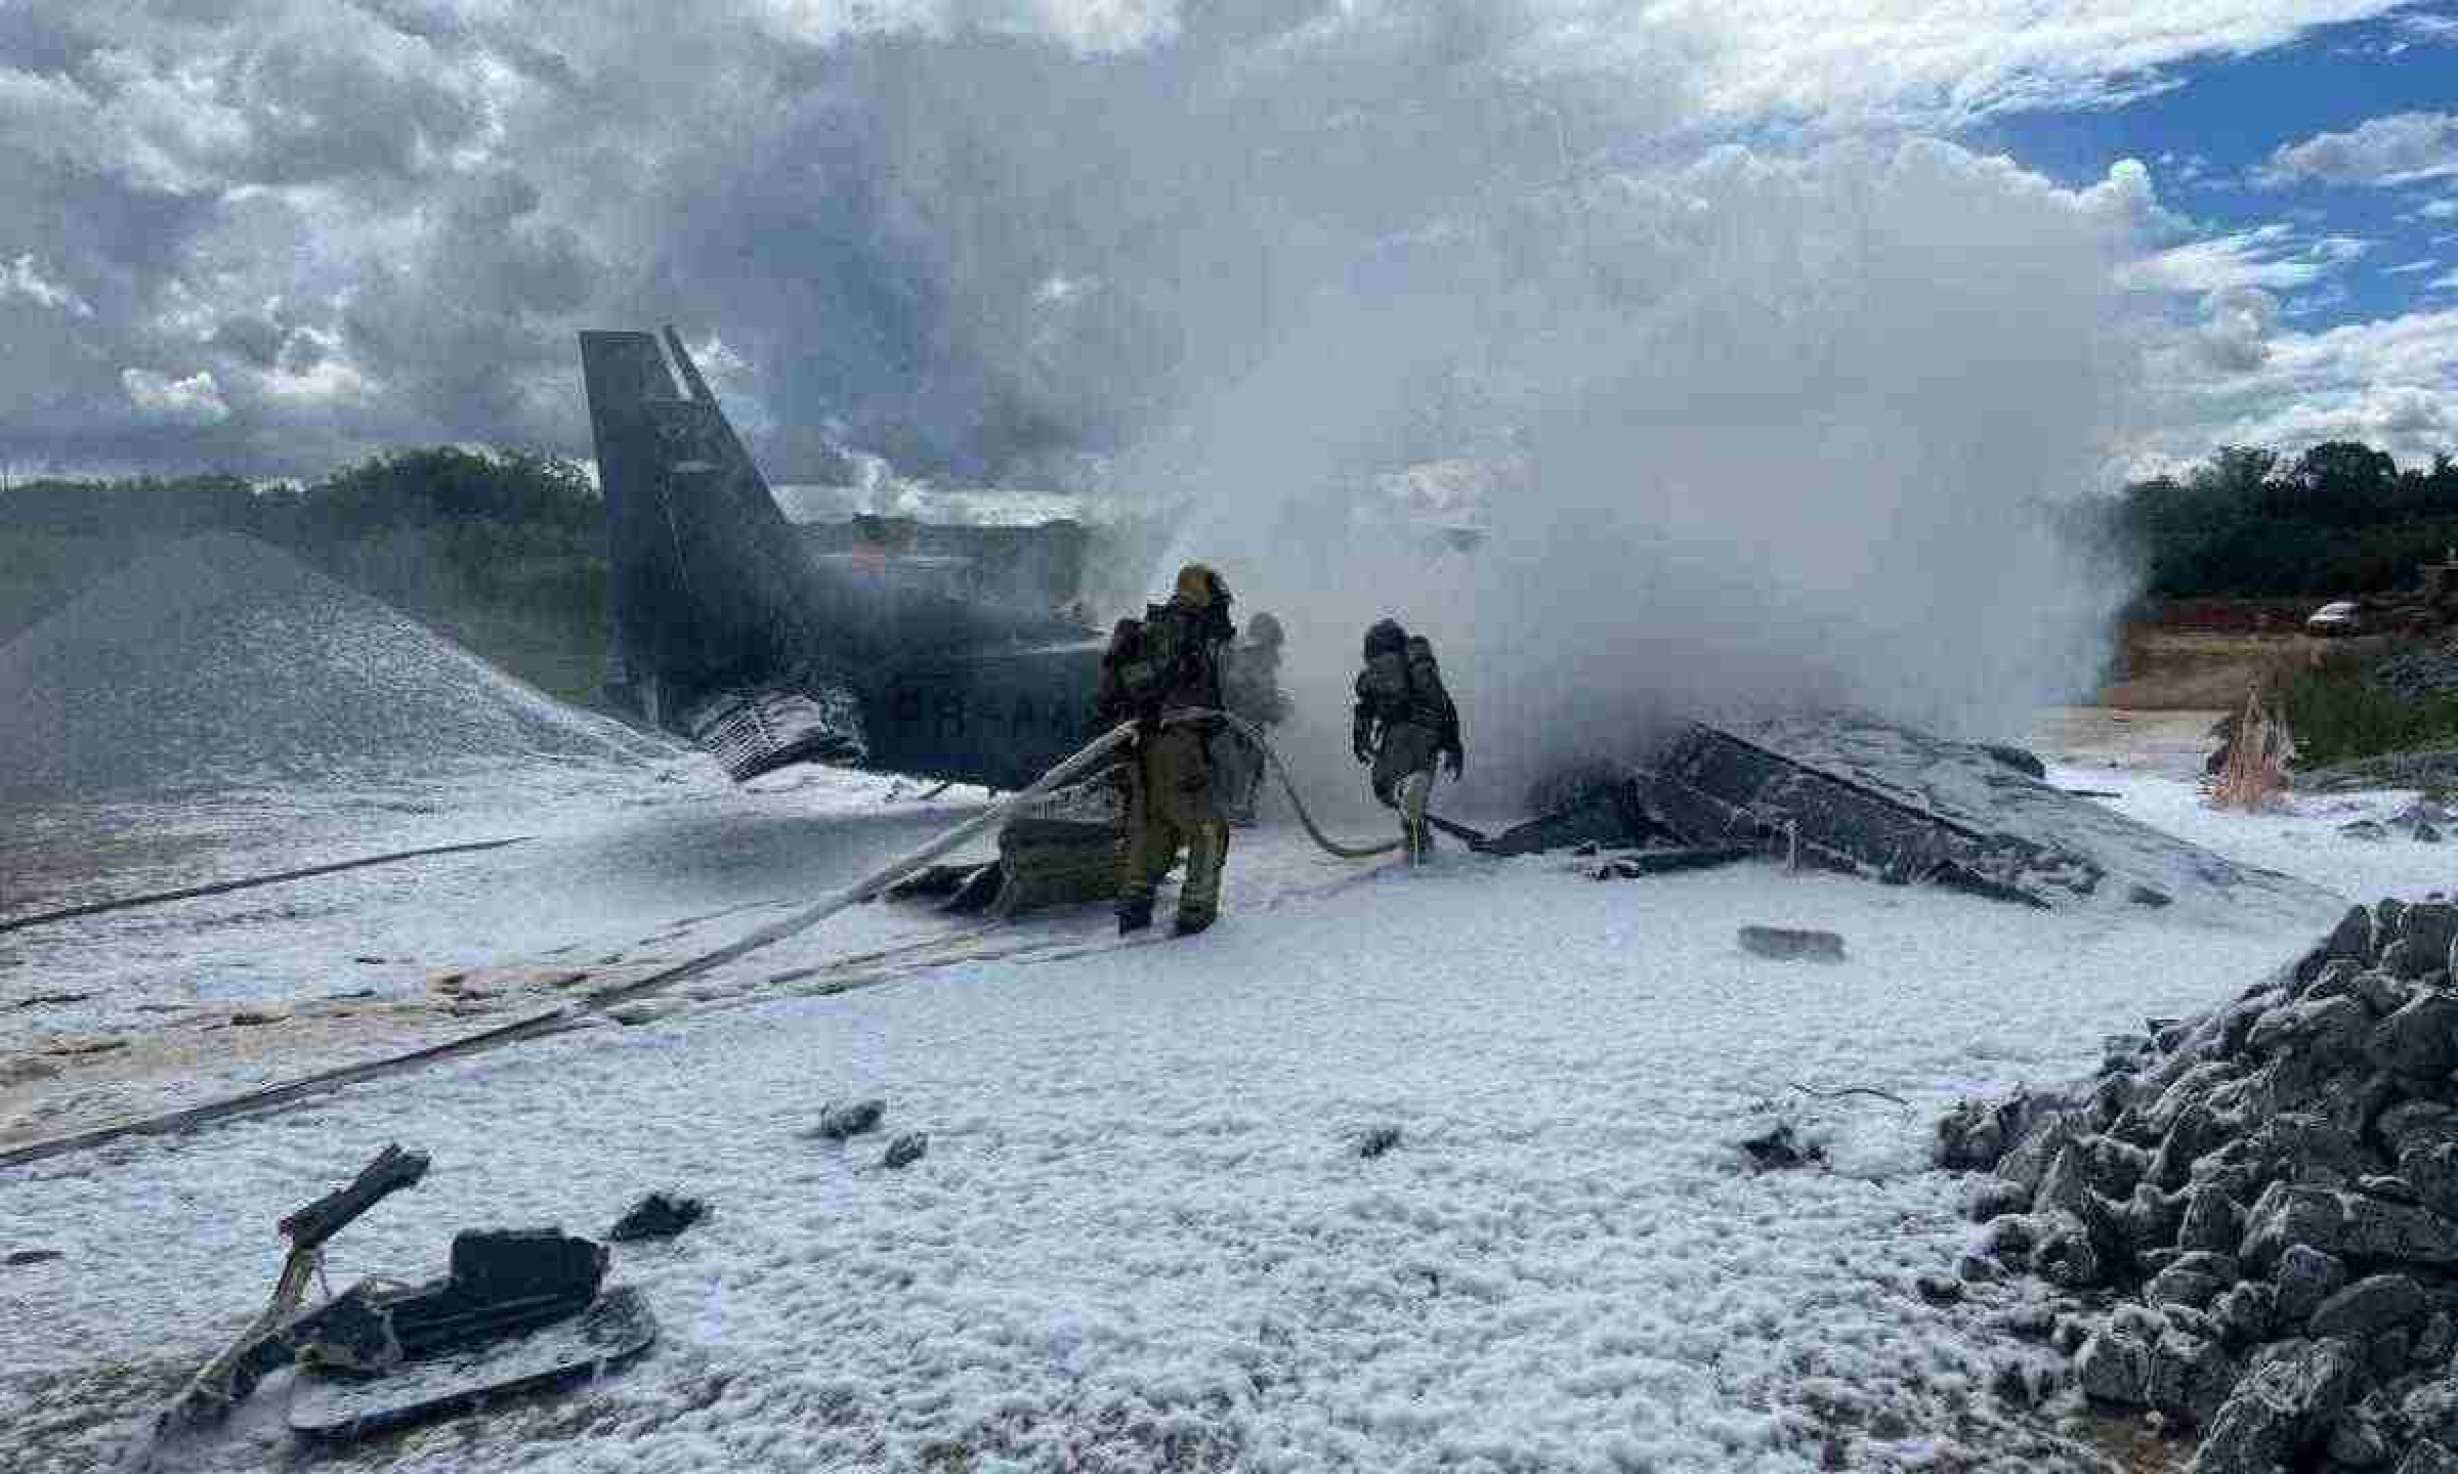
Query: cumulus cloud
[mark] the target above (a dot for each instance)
(2400, 148)
(2275, 257)
(194, 400)
(1906, 61)
(23, 280)
(2427, 28)
(1765, 410)
(872, 201)
(2392, 382)
(2236, 325)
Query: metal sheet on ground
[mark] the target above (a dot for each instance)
(614, 1330)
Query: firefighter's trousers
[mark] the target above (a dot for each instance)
(1170, 805)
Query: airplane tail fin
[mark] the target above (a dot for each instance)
(717, 632)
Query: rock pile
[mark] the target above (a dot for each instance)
(2253, 1215)
(2420, 671)
(2421, 821)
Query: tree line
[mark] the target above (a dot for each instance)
(504, 551)
(2341, 518)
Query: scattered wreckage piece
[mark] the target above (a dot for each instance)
(1850, 793)
(1780, 1148)
(520, 1311)
(1876, 799)
(660, 1215)
(1638, 864)
(1787, 944)
(1716, 786)
(845, 1120)
(271, 1339)
(1608, 819)
(381, 1354)
(1055, 862)
(615, 1329)
(502, 1282)
(1608, 814)
(1062, 851)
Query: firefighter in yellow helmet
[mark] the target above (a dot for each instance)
(1160, 671)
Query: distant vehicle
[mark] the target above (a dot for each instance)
(2340, 617)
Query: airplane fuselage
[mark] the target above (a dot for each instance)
(732, 633)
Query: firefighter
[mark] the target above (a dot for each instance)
(1166, 670)
(1250, 680)
(1403, 723)
(1111, 703)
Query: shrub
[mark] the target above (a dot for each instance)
(2337, 714)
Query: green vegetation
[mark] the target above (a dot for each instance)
(505, 553)
(2340, 519)
(2337, 714)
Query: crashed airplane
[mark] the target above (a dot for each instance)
(742, 635)
(733, 632)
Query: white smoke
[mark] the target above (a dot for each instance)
(1770, 432)
(1758, 426)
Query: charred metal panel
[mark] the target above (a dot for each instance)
(754, 732)
(1003, 718)
(1611, 815)
(1720, 788)
(1032, 567)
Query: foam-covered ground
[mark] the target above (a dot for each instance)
(220, 662)
(1141, 1237)
(2153, 775)
(1142, 1228)
(617, 870)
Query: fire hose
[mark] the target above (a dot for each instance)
(1083, 761)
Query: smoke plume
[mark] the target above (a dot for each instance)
(1757, 396)
(1752, 433)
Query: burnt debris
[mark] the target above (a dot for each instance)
(844, 1120)
(1780, 1148)
(517, 1310)
(1792, 944)
(660, 1215)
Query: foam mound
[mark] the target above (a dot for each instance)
(220, 661)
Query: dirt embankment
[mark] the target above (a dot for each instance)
(2205, 654)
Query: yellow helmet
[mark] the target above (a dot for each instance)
(1200, 586)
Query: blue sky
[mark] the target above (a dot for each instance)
(2208, 137)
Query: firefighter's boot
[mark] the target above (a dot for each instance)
(1417, 837)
